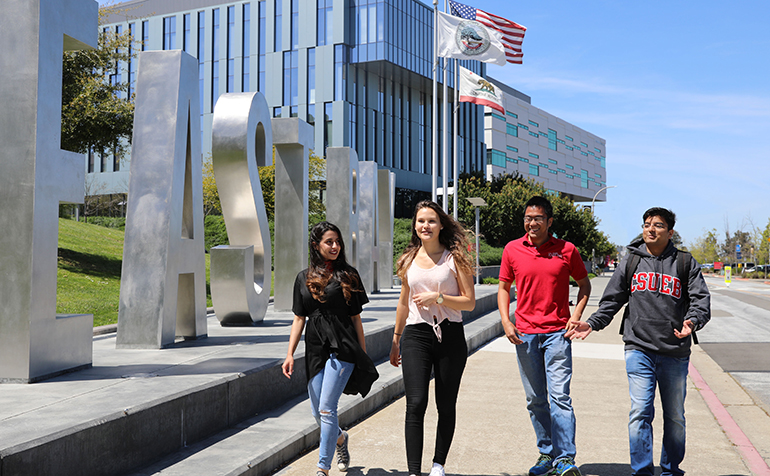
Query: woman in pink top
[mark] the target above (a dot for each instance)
(436, 286)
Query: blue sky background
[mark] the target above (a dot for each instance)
(680, 90)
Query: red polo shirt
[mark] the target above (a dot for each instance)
(542, 282)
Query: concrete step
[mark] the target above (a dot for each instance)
(134, 407)
(260, 445)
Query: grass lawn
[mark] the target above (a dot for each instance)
(88, 278)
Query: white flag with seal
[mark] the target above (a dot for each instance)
(469, 40)
(475, 89)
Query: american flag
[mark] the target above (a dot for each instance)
(513, 33)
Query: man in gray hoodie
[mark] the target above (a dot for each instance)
(664, 309)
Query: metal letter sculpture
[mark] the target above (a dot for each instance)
(162, 288)
(242, 139)
(368, 255)
(386, 202)
(292, 138)
(35, 175)
(342, 196)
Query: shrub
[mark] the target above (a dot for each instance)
(108, 222)
(215, 233)
(490, 281)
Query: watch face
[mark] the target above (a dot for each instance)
(440, 299)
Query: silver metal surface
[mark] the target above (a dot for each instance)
(368, 255)
(386, 203)
(35, 176)
(292, 138)
(163, 284)
(342, 196)
(242, 139)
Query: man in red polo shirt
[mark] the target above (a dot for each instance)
(541, 266)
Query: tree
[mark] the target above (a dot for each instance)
(316, 176)
(503, 219)
(94, 115)
(706, 248)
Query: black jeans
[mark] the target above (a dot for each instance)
(421, 353)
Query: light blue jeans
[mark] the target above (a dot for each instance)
(325, 389)
(545, 364)
(645, 370)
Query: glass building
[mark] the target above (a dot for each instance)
(538, 145)
(360, 71)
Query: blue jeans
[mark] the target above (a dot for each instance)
(545, 364)
(325, 389)
(645, 370)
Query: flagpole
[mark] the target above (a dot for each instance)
(434, 149)
(455, 126)
(445, 132)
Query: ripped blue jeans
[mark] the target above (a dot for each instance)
(325, 389)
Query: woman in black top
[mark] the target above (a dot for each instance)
(330, 295)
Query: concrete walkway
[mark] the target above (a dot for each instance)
(494, 435)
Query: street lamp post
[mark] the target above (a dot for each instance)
(477, 202)
(597, 194)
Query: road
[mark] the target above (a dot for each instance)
(738, 336)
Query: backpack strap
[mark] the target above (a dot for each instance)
(631, 265)
(683, 262)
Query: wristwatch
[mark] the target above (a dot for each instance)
(440, 298)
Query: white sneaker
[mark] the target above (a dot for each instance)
(437, 470)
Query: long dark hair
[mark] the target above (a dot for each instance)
(452, 236)
(319, 274)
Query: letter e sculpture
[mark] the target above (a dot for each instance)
(35, 176)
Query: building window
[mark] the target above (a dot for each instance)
(534, 170)
(186, 43)
(169, 33)
(145, 34)
(583, 144)
(534, 156)
(115, 162)
(90, 160)
(568, 138)
(294, 24)
(324, 22)
(201, 51)
(277, 111)
(496, 116)
(311, 114)
(570, 167)
(131, 60)
(534, 123)
(311, 75)
(496, 158)
(339, 73)
(511, 129)
(290, 78)
(552, 161)
(327, 125)
(278, 26)
(230, 87)
(551, 139)
(523, 126)
(262, 46)
(584, 178)
(512, 114)
(215, 58)
(246, 47)
(511, 148)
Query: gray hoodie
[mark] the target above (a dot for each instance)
(655, 302)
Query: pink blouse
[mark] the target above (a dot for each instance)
(442, 278)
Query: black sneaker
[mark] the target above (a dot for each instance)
(543, 466)
(343, 455)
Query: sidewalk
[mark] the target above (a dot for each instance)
(494, 435)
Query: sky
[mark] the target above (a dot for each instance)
(680, 90)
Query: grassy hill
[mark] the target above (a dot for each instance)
(88, 279)
(90, 260)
